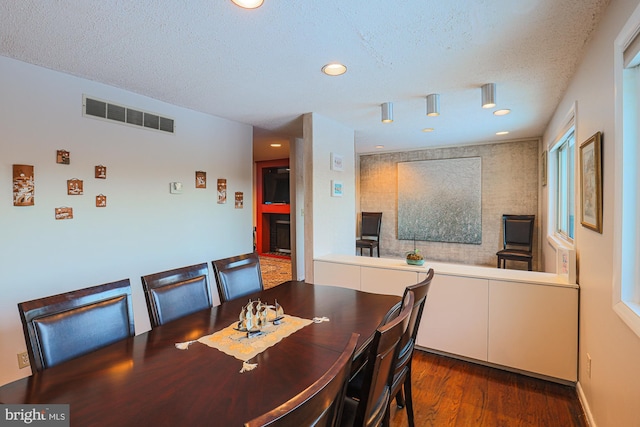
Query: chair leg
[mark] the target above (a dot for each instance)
(370, 251)
(400, 401)
(408, 398)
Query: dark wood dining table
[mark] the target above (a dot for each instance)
(146, 381)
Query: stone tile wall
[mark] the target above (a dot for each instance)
(509, 186)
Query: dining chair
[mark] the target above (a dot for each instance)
(402, 372)
(320, 404)
(176, 293)
(370, 225)
(238, 276)
(517, 240)
(61, 327)
(371, 409)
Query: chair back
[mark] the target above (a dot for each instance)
(320, 405)
(64, 326)
(378, 371)
(238, 276)
(420, 291)
(370, 226)
(408, 340)
(517, 230)
(175, 293)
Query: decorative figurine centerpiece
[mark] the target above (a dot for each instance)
(256, 315)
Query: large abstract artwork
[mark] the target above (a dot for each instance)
(440, 200)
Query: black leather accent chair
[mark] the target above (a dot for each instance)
(64, 326)
(176, 293)
(320, 405)
(517, 240)
(238, 276)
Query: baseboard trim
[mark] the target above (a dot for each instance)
(585, 405)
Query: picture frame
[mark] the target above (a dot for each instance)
(75, 187)
(201, 179)
(63, 157)
(101, 172)
(543, 168)
(222, 190)
(336, 188)
(591, 183)
(23, 185)
(337, 162)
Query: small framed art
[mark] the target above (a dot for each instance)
(336, 188)
(75, 187)
(222, 190)
(63, 157)
(23, 185)
(201, 179)
(337, 162)
(101, 172)
(64, 213)
(591, 183)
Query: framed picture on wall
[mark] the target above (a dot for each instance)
(337, 162)
(543, 168)
(591, 183)
(336, 188)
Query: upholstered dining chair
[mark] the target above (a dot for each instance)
(372, 407)
(176, 293)
(238, 276)
(517, 240)
(320, 405)
(370, 225)
(65, 326)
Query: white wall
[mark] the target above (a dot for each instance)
(613, 389)
(144, 229)
(329, 221)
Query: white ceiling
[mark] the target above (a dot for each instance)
(262, 67)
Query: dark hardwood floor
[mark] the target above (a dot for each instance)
(450, 392)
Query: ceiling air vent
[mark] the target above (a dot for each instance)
(118, 113)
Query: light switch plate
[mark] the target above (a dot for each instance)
(175, 188)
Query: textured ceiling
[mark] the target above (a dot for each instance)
(262, 67)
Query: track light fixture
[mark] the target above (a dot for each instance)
(433, 105)
(489, 95)
(387, 112)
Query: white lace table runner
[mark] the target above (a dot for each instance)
(237, 344)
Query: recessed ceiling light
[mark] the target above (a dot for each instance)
(248, 4)
(334, 69)
(379, 146)
(428, 130)
(276, 144)
(502, 112)
(503, 132)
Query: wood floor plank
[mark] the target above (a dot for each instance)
(452, 393)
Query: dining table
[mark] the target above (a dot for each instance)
(149, 380)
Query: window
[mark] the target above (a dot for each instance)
(626, 256)
(563, 151)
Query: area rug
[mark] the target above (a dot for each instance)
(274, 270)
